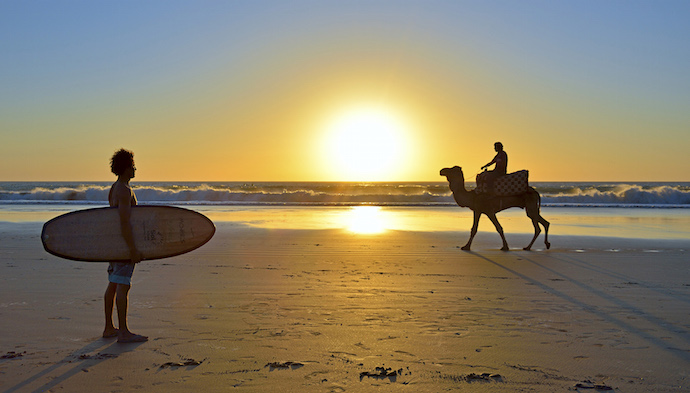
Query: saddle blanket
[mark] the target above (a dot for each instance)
(515, 183)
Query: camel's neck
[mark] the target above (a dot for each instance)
(457, 185)
(461, 195)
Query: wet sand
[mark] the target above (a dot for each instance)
(326, 310)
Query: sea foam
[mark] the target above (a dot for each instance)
(384, 194)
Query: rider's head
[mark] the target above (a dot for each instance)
(498, 146)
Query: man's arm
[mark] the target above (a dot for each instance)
(492, 162)
(125, 211)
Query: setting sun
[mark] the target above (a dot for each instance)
(365, 144)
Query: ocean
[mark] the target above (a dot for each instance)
(554, 194)
(628, 210)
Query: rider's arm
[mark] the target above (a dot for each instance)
(492, 162)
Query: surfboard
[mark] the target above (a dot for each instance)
(94, 235)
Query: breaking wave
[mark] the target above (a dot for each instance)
(623, 195)
(660, 195)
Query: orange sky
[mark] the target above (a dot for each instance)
(232, 91)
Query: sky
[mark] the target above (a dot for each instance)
(344, 90)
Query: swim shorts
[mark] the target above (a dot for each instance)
(120, 272)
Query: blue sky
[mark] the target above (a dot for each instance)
(229, 90)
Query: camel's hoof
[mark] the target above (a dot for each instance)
(527, 248)
(548, 245)
(465, 248)
(505, 249)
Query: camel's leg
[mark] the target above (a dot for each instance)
(532, 208)
(473, 232)
(499, 228)
(545, 224)
(537, 231)
(536, 220)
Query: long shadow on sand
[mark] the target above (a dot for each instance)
(664, 345)
(79, 361)
(684, 297)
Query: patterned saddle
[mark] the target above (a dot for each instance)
(515, 183)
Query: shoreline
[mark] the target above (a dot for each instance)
(485, 240)
(641, 224)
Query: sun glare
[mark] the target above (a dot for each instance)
(365, 144)
(365, 220)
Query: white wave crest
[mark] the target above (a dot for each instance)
(412, 194)
(623, 194)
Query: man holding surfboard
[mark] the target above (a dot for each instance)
(120, 273)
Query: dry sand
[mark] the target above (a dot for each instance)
(264, 310)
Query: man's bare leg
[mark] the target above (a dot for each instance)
(122, 301)
(109, 301)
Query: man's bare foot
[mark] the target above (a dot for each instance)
(110, 333)
(129, 337)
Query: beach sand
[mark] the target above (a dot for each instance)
(327, 310)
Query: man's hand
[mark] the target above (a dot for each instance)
(136, 256)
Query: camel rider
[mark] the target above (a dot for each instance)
(501, 168)
(501, 161)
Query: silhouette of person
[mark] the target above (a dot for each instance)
(120, 273)
(501, 168)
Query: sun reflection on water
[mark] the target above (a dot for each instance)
(366, 220)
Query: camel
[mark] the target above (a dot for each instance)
(490, 205)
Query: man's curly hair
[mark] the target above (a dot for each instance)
(121, 161)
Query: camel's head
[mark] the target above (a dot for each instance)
(454, 173)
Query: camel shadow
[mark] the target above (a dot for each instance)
(591, 308)
(78, 361)
(598, 270)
